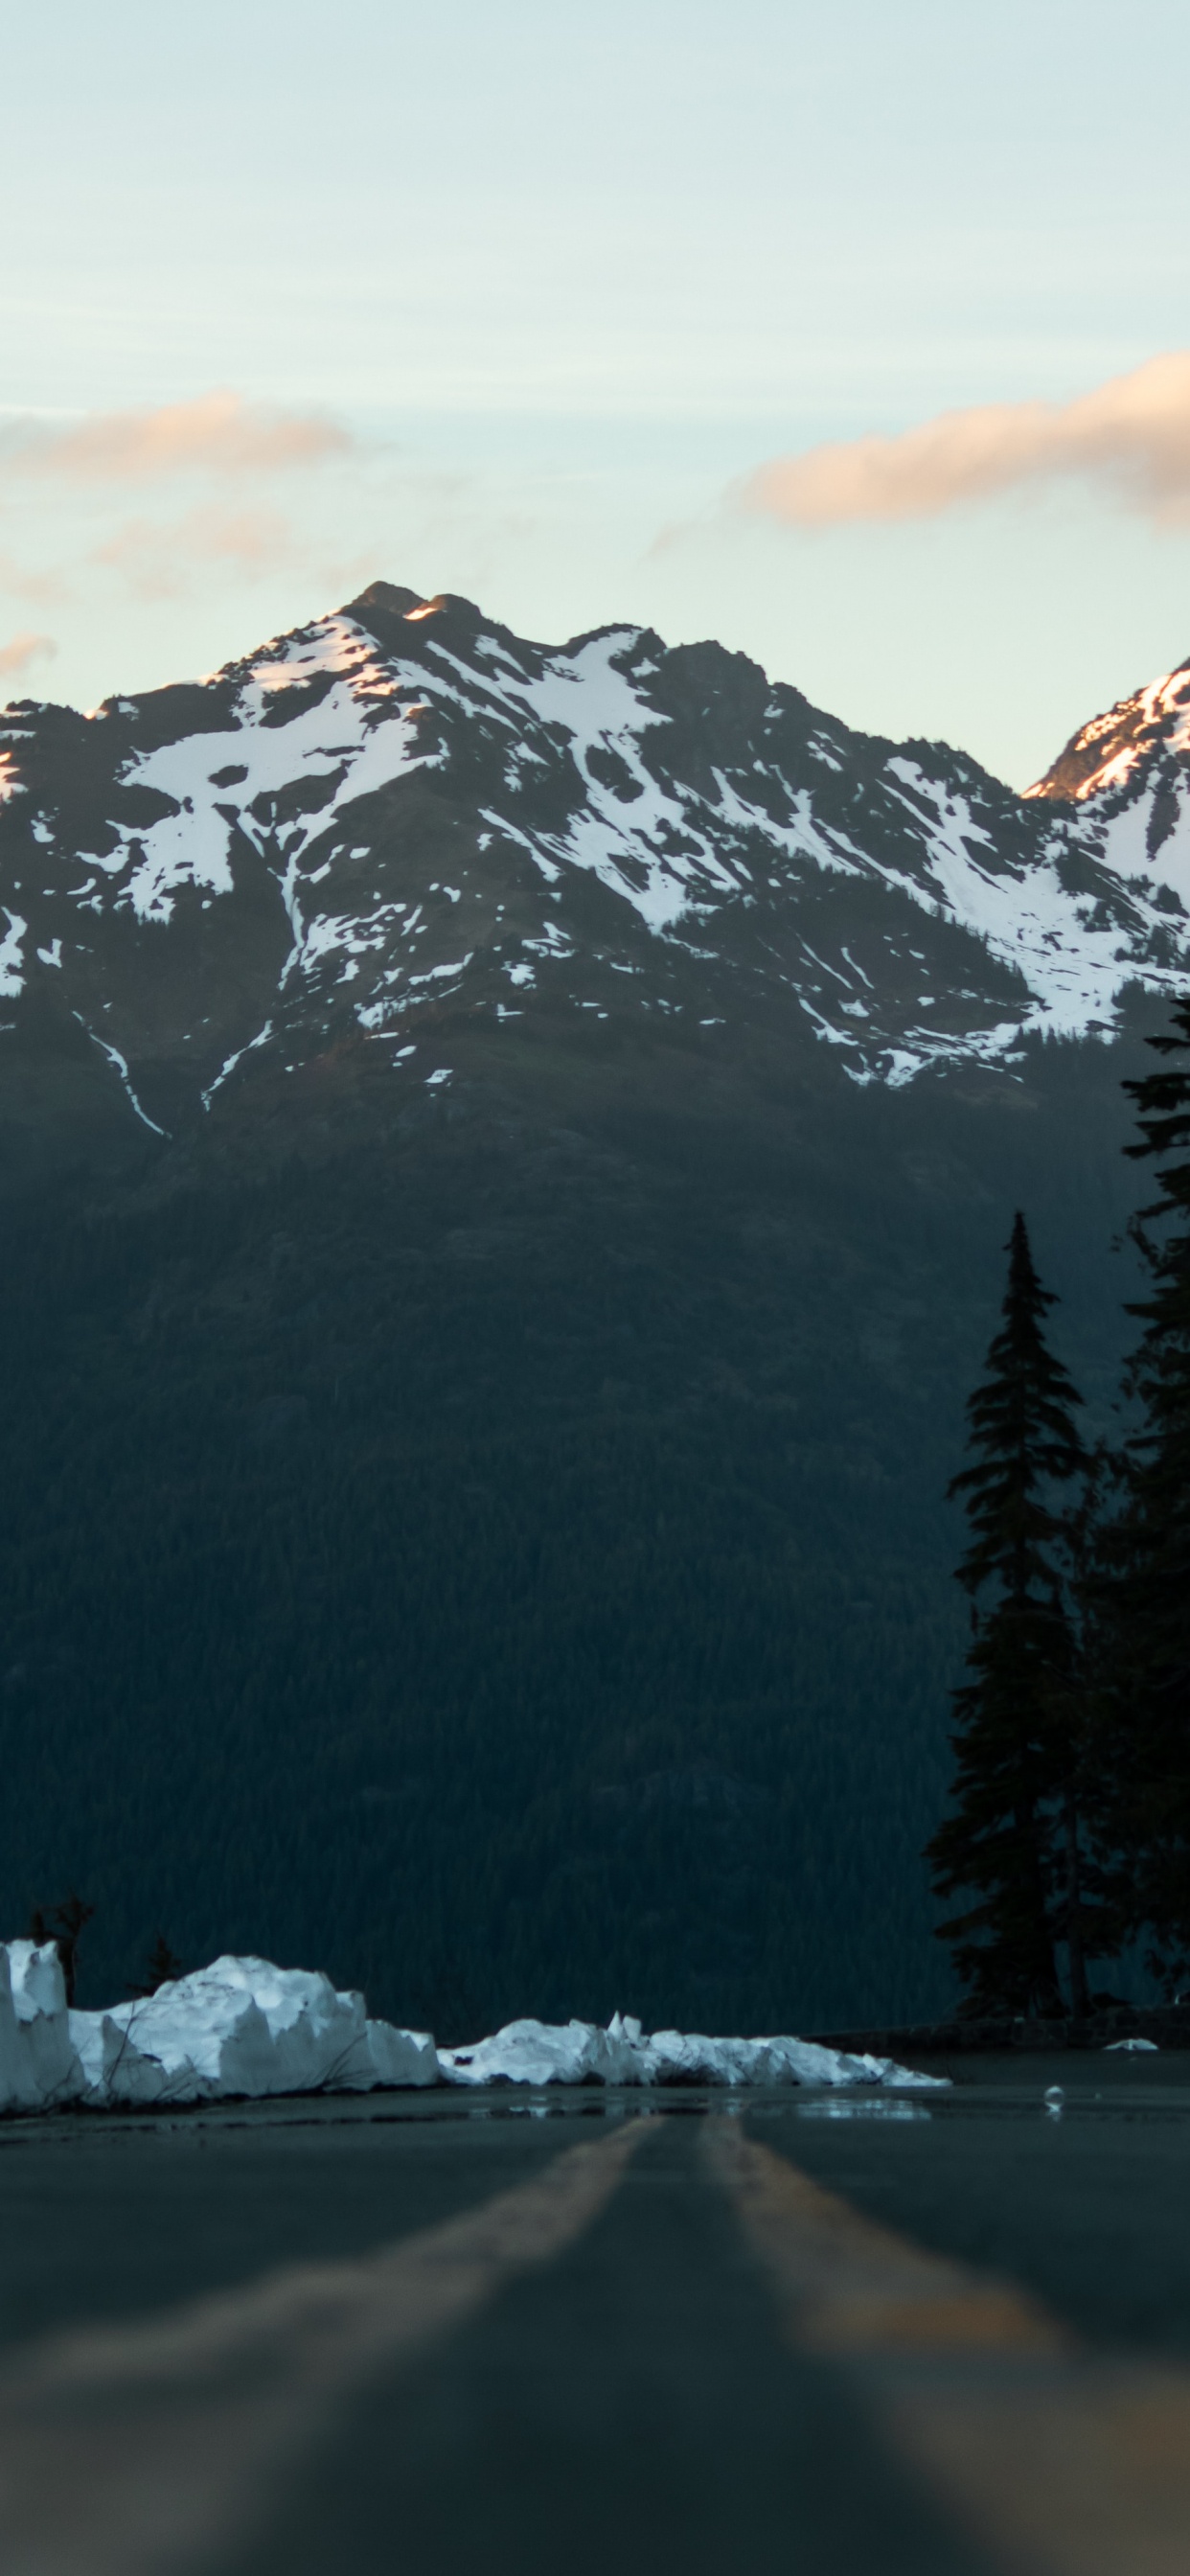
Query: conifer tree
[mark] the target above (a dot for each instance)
(1014, 1836)
(161, 1968)
(1147, 1732)
(68, 1921)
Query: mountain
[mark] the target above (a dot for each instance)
(1128, 771)
(402, 823)
(505, 1158)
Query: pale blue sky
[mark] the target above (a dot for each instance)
(566, 276)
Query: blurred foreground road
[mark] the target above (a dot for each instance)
(843, 2336)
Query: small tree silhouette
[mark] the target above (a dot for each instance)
(161, 1966)
(63, 1928)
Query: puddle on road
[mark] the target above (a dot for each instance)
(863, 2109)
(1118, 2090)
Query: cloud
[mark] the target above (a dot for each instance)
(43, 587)
(1132, 435)
(159, 558)
(219, 433)
(24, 650)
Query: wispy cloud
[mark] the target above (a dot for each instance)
(1131, 435)
(159, 559)
(23, 651)
(46, 588)
(219, 433)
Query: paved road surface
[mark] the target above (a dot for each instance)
(839, 2336)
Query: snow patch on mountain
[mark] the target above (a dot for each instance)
(1146, 843)
(356, 737)
(228, 1067)
(736, 833)
(1026, 917)
(11, 941)
(120, 1064)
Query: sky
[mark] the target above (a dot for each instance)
(856, 338)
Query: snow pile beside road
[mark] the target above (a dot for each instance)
(679, 2057)
(579, 2052)
(37, 2060)
(239, 2027)
(243, 2028)
(539, 2052)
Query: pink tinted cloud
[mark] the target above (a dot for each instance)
(158, 559)
(1132, 435)
(24, 650)
(218, 433)
(42, 587)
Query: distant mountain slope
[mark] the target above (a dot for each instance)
(506, 1159)
(402, 817)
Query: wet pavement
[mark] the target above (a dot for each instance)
(840, 2334)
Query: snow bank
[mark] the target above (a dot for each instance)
(538, 2052)
(243, 2027)
(37, 2062)
(579, 2052)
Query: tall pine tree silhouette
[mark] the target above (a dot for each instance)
(1013, 1837)
(1148, 1624)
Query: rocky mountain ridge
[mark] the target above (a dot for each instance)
(1132, 759)
(401, 823)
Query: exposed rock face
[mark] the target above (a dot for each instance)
(402, 822)
(1129, 772)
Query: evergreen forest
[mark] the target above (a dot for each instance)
(506, 1560)
(1071, 1814)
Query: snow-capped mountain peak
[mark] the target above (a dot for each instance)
(402, 821)
(1108, 752)
(1129, 772)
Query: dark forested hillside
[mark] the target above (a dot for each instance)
(495, 1548)
(505, 1154)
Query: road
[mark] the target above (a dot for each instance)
(835, 2335)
